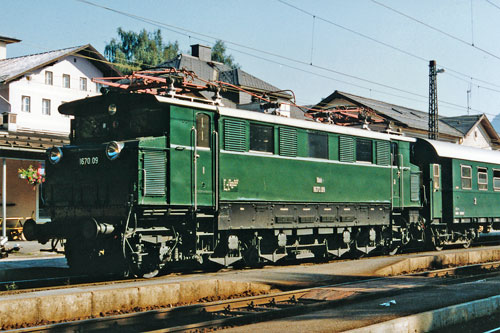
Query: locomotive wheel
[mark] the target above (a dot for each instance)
(432, 239)
(393, 250)
(436, 244)
(467, 243)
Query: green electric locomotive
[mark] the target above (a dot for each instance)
(151, 181)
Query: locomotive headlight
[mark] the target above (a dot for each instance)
(113, 149)
(55, 154)
(112, 109)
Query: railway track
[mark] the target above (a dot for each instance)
(23, 284)
(241, 311)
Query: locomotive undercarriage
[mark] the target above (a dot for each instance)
(149, 239)
(261, 232)
(442, 234)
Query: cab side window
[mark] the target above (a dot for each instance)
(203, 130)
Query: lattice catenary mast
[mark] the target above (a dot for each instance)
(433, 101)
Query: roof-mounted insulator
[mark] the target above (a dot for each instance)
(171, 88)
(217, 98)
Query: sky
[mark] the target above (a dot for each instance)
(378, 49)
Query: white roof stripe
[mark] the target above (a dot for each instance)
(278, 120)
(452, 150)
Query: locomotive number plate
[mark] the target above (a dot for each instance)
(89, 160)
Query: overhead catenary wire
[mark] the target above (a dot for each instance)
(190, 34)
(392, 46)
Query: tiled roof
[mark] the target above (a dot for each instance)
(218, 71)
(31, 140)
(410, 118)
(13, 68)
(462, 123)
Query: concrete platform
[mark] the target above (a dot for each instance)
(426, 310)
(85, 301)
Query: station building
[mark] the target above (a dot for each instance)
(351, 110)
(31, 89)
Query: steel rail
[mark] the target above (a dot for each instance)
(252, 309)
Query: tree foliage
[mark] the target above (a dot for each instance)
(219, 54)
(137, 51)
(133, 51)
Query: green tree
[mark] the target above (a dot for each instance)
(219, 54)
(138, 51)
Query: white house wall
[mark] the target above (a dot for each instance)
(478, 138)
(33, 85)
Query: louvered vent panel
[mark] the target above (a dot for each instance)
(414, 186)
(288, 142)
(234, 135)
(383, 153)
(346, 149)
(155, 173)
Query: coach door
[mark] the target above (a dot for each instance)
(396, 175)
(203, 143)
(436, 200)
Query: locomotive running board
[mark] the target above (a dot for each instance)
(225, 261)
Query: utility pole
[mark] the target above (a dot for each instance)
(433, 101)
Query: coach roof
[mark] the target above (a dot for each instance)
(452, 150)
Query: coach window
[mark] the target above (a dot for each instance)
(202, 130)
(466, 173)
(482, 179)
(262, 138)
(435, 175)
(364, 150)
(496, 180)
(318, 145)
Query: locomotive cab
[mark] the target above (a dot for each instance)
(107, 184)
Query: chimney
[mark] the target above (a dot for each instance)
(204, 53)
(3, 45)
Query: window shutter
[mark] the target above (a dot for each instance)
(155, 173)
(383, 153)
(288, 142)
(234, 135)
(346, 149)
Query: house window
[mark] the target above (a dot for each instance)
(496, 180)
(262, 138)
(364, 150)
(66, 81)
(482, 179)
(26, 104)
(202, 130)
(49, 78)
(318, 145)
(466, 174)
(83, 84)
(46, 107)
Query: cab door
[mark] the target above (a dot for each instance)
(436, 197)
(396, 175)
(203, 145)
